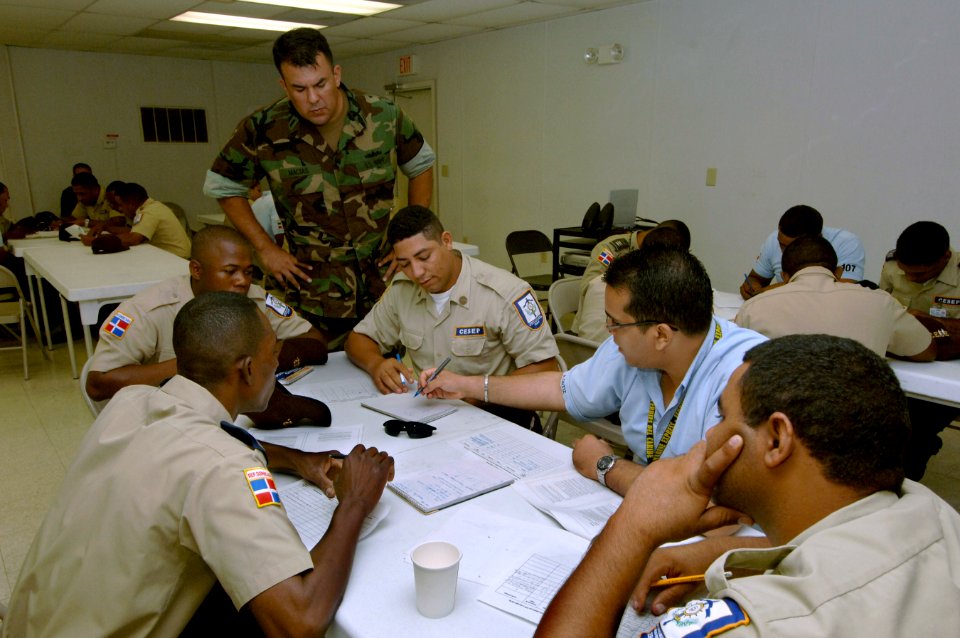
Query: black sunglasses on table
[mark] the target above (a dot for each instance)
(414, 429)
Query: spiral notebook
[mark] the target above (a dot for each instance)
(407, 407)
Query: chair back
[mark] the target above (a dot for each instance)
(12, 312)
(590, 218)
(181, 216)
(563, 299)
(605, 219)
(525, 242)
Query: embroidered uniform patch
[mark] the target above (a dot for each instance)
(262, 486)
(529, 310)
(469, 331)
(278, 306)
(700, 619)
(117, 325)
(605, 258)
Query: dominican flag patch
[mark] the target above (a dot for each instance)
(278, 306)
(117, 325)
(605, 258)
(262, 486)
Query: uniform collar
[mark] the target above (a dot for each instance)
(813, 272)
(197, 397)
(354, 122)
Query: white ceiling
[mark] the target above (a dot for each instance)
(143, 26)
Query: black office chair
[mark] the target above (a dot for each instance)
(605, 220)
(523, 242)
(589, 223)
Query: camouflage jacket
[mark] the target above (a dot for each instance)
(334, 203)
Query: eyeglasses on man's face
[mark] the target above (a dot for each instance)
(414, 429)
(612, 326)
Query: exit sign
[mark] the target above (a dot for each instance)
(408, 64)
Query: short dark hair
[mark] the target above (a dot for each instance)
(132, 192)
(81, 166)
(212, 332)
(801, 220)
(665, 284)
(300, 48)
(411, 221)
(114, 186)
(922, 244)
(85, 180)
(844, 401)
(209, 238)
(678, 226)
(664, 237)
(810, 250)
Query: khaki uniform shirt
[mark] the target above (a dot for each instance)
(815, 302)
(158, 504)
(492, 324)
(604, 253)
(591, 320)
(140, 331)
(939, 297)
(99, 212)
(884, 566)
(160, 226)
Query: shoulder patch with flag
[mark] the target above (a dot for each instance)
(278, 306)
(262, 486)
(699, 619)
(605, 258)
(529, 310)
(117, 325)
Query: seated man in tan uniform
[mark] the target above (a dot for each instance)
(857, 550)
(812, 301)
(445, 304)
(136, 341)
(151, 221)
(165, 497)
(92, 202)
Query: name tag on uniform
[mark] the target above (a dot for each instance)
(294, 172)
(947, 301)
(469, 331)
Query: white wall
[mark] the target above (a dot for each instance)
(850, 107)
(68, 101)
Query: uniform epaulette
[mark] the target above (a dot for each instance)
(504, 283)
(891, 255)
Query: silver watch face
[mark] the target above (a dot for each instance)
(605, 463)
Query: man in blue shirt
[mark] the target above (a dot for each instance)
(663, 368)
(800, 221)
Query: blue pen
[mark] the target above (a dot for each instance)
(434, 375)
(403, 379)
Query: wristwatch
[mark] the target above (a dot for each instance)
(604, 465)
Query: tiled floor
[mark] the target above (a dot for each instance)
(44, 418)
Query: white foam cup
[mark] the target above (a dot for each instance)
(436, 565)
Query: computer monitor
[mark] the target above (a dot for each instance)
(624, 207)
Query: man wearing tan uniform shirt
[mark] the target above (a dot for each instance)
(151, 221)
(92, 200)
(136, 341)
(813, 301)
(166, 497)
(445, 304)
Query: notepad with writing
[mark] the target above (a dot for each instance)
(407, 407)
(440, 486)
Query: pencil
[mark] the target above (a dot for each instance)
(679, 580)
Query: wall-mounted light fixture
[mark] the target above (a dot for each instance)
(606, 54)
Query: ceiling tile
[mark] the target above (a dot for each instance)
(67, 5)
(117, 25)
(159, 9)
(367, 47)
(22, 37)
(79, 41)
(433, 33)
(31, 18)
(516, 14)
(439, 10)
(367, 27)
(145, 46)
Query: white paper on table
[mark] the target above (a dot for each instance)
(407, 407)
(579, 504)
(311, 511)
(341, 438)
(527, 587)
(501, 448)
(633, 624)
(347, 390)
(491, 543)
(458, 480)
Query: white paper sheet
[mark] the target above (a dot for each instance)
(632, 623)
(579, 504)
(500, 448)
(347, 390)
(311, 511)
(410, 408)
(341, 438)
(456, 481)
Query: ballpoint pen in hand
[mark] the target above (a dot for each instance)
(433, 376)
(403, 379)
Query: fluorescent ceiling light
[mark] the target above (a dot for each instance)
(222, 20)
(355, 7)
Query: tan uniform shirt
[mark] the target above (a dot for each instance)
(140, 331)
(591, 320)
(815, 302)
(160, 226)
(99, 212)
(939, 297)
(158, 504)
(604, 253)
(492, 324)
(884, 566)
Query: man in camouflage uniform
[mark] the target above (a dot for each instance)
(330, 156)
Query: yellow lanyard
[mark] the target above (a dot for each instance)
(653, 455)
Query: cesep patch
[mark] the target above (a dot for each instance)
(605, 258)
(262, 487)
(700, 619)
(529, 310)
(278, 306)
(117, 325)
(469, 331)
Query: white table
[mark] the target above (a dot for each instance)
(93, 281)
(380, 596)
(936, 381)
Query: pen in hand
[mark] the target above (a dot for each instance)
(433, 376)
(403, 379)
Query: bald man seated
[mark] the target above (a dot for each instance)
(136, 341)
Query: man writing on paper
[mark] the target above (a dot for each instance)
(166, 497)
(136, 341)
(330, 155)
(663, 368)
(445, 304)
(857, 549)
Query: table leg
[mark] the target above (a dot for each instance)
(43, 311)
(34, 319)
(87, 340)
(69, 331)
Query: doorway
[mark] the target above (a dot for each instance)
(418, 101)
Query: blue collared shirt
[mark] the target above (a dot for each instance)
(605, 383)
(850, 255)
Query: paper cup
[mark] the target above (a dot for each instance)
(435, 568)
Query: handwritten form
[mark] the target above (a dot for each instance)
(311, 511)
(579, 504)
